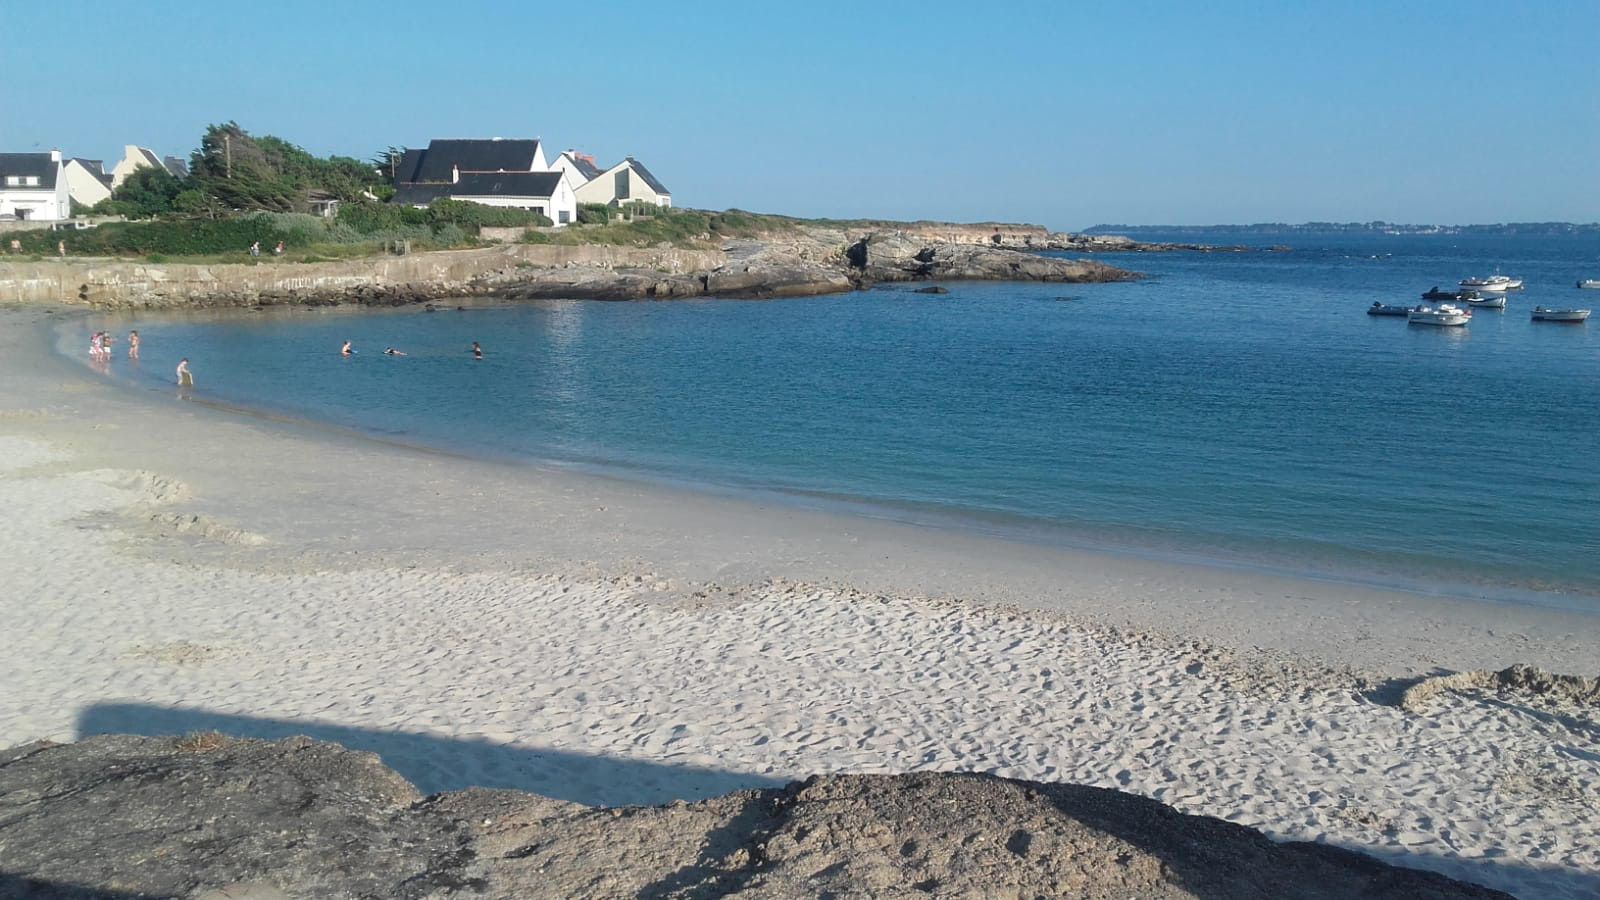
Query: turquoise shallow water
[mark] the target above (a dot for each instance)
(1237, 407)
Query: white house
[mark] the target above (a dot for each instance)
(494, 172)
(32, 187)
(579, 167)
(626, 182)
(135, 158)
(87, 182)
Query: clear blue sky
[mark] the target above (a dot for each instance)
(1066, 114)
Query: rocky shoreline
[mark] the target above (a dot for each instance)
(208, 816)
(808, 262)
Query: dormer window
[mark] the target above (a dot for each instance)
(13, 181)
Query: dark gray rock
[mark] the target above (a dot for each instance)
(124, 817)
(897, 256)
(932, 290)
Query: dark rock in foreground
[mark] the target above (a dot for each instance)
(119, 816)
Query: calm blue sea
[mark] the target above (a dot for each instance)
(1235, 406)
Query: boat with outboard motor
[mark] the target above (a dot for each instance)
(1383, 309)
(1443, 314)
(1492, 283)
(1544, 314)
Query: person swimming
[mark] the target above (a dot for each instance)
(345, 350)
(477, 352)
(390, 351)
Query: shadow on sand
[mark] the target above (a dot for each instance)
(436, 764)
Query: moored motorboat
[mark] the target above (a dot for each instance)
(1381, 309)
(1479, 300)
(1435, 294)
(1492, 283)
(1443, 314)
(1545, 314)
(1592, 284)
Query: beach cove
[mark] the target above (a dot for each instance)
(183, 568)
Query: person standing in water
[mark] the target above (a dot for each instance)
(184, 378)
(345, 350)
(477, 352)
(133, 345)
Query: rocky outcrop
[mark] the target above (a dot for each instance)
(897, 256)
(119, 816)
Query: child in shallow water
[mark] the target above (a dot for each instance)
(184, 378)
(133, 345)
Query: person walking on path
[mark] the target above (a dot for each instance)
(61, 248)
(278, 250)
(255, 249)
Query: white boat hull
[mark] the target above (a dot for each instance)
(1541, 314)
(1492, 301)
(1445, 315)
(1592, 284)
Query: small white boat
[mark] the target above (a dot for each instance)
(1481, 300)
(1592, 284)
(1544, 314)
(1443, 314)
(1492, 283)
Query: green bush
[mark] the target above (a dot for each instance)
(473, 216)
(593, 213)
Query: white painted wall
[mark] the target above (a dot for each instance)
(564, 163)
(37, 204)
(82, 185)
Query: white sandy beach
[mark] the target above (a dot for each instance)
(167, 568)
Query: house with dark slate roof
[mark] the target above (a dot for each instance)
(579, 167)
(87, 181)
(626, 182)
(135, 158)
(33, 188)
(492, 171)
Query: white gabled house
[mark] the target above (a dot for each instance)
(626, 182)
(494, 172)
(32, 187)
(579, 167)
(87, 182)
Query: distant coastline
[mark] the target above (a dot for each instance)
(1533, 228)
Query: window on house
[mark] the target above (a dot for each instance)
(33, 179)
(13, 180)
(565, 217)
(539, 210)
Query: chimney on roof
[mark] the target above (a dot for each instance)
(455, 173)
(55, 154)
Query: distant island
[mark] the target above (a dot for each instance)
(1536, 228)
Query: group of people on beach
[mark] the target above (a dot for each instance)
(100, 345)
(348, 350)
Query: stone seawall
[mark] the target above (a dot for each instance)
(422, 275)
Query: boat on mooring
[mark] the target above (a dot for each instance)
(1444, 314)
(1384, 309)
(1478, 300)
(1435, 294)
(1492, 283)
(1592, 284)
(1545, 314)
